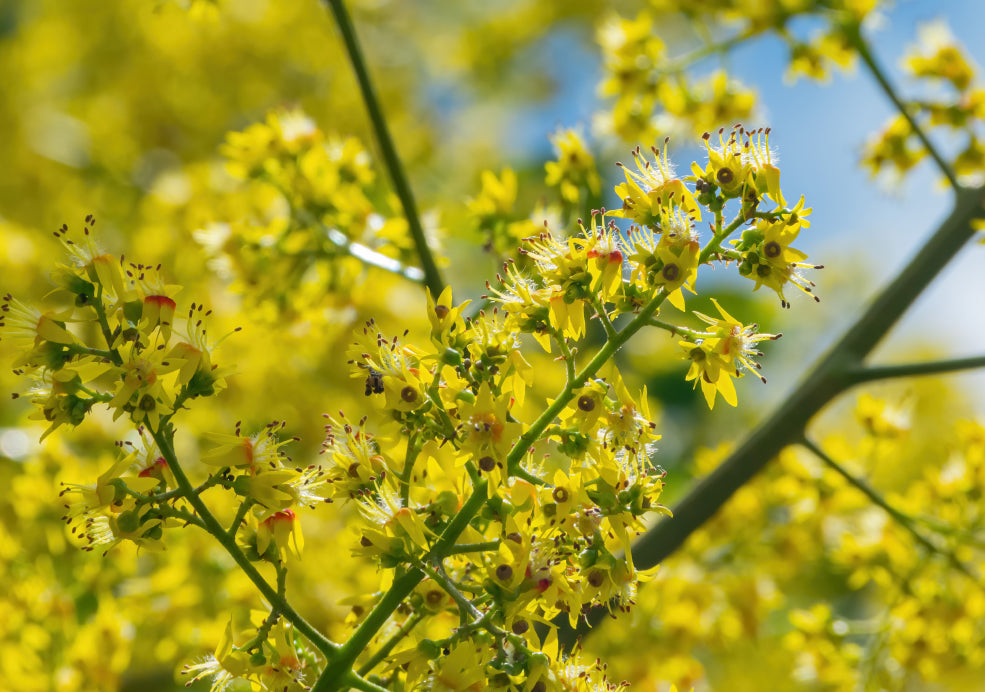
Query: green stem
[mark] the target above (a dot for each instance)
(432, 277)
(464, 604)
(566, 354)
(104, 327)
(214, 479)
(459, 548)
(937, 367)
(610, 330)
(244, 507)
(405, 474)
(181, 515)
(854, 33)
(86, 351)
(715, 244)
(904, 520)
(675, 329)
(385, 650)
(228, 542)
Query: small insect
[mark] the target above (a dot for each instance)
(374, 382)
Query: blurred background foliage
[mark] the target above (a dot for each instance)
(124, 109)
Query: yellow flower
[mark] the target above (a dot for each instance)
(653, 190)
(575, 168)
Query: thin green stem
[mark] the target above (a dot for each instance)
(181, 515)
(263, 631)
(715, 244)
(854, 33)
(521, 472)
(610, 330)
(460, 548)
(78, 349)
(385, 650)
(104, 327)
(244, 507)
(432, 277)
(675, 329)
(212, 480)
(212, 525)
(901, 518)
(463, 603)
(937, 367)
(566, 355)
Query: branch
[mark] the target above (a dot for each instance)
(372, 257)
(937, 367)
(899, 517)
(854, 34)
(432, 277)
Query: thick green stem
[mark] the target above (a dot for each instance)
(432, 277)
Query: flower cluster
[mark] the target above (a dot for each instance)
(515, 509)
(941, 61)
(119, 341)
(654, 91)
(552, 533)
(309, 211)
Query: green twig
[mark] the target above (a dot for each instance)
(854, 34)
(610, 330)
(904, 520)
(432, 277)
(937, 367)
(228, 542)
(114, 354)
(181, 515)
(459, 548)
(676, 329)
(385, 650)
(244, 507)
